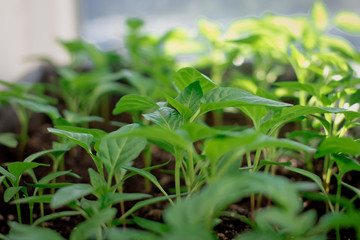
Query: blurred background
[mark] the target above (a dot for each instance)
(30, 28)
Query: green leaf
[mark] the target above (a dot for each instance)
(185, 76)
(68, 194)
(191, 96)
(109, 199)
(98, 182)
(185, 112)
(90, 227)
(338, 220)
(19, 231)
(96, 133)
(156, 227)
(18, 168)
(7, 174)
(223, 97)
(49, 185)
(116, 150)
(51, 111)
(36, 155)
(8, 139)
(54, 175)
(346, 164)
(77, 118)
(166, 117)
(348, 21)
(130, 234)
(11, 191)
(133, 102)
(55, 216)
(209, 29)
(84, 140)
(296, 86)
(319, 15)
(338, 145)
(146, 175)
(34, 199)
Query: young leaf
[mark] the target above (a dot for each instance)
(90, 227)
(77, 118)
(223, 97)
(84, 140)
(97, 133)
(130, 234)
(7, 174)
(156, 227)
(18, 168)
(51, 111)
(54, 216)
(34, 199)
(68, 194)
(346, 164)
(19, 231)
(11, 191)
(185, 76)
(338, 145)
(185, 112)
(98, 182)
(133, 102)
(36, 155)
(190, 96)
(109, 199)
(8, 139)
(348, 21)
(319, 15)
(115, 150)
(166, 117)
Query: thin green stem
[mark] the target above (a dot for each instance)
(178, 160)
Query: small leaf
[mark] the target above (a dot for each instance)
(166, 117)
(68, 194)
(19, 231)
(84, 140)
(109, 199)
(18, 168)
(51, 111)
(11, 191)
(77, 118)
(96, 133)
(156, 227)
(146, 175)
(36, 155)
(7, 174)
(185, 112)
(345, 164)
(54, 175)
(185, 76)
(348, 21)
(354, 189)
(319, 15)
(190, 96)
(130, 234)
(133, 102)
(8, 139)
(338, 145)
(55, 216)
(90, 227)
(98, 182)
(34, 199)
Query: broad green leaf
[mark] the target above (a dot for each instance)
(198, 131)
(133, 102)
(166, 117)
(185, 76)
(34, 199)
(71, 193)
(20, 231)
(109, 199)
(256, 113)
(156, 227)
(191, 96)
(84, 140)
(319, 15)
(18, 168)
(7, 174)
(36, 155)
(8, 139)
(51, 111)
(346, 164)
(11, 191)
(348, 21)
(338, 145)
(223, 97)
(55, 216)
(296, 86)
(90, 227)
(146, 175)
(116, 150)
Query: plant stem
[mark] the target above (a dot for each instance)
(147, 163)
(178, 160)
